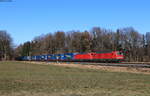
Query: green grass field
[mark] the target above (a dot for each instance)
(22, 79)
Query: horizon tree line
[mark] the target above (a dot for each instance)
(97, 39)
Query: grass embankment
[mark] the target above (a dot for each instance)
(23, 79)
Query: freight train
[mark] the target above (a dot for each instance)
(111, 56)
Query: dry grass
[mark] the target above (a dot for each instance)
(104, 68)
(29, 79)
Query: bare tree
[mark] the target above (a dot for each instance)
(5, 45)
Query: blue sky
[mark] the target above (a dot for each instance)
(25, 19)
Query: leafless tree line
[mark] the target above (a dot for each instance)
(134, 44)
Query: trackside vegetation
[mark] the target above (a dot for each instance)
(24, 79)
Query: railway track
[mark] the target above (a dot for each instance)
(126, 64)
(122, 65)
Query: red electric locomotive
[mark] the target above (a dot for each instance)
(83, 57)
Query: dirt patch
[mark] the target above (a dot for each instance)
(105, 68)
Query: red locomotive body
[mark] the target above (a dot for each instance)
(85, 56)
(110, 56)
